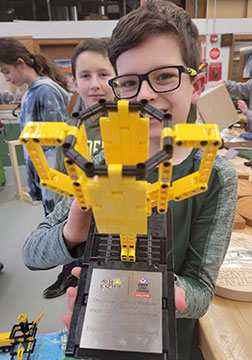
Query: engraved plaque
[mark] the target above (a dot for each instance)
(124, 311)
(235, 277)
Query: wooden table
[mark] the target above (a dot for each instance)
(238, 164)
(226, 329)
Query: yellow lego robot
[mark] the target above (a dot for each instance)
(120, 197)
(128, 259)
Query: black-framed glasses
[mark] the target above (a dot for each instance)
(161, 80)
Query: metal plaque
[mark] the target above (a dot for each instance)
(124, 311)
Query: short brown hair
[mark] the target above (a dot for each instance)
(99, 46)
(152, 18)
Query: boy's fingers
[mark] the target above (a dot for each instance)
(180, 303)
(71, 297)
(242, 106)
(67, 320)
(76, 271)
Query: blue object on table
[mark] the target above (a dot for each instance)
(246, 136)
(48, 347)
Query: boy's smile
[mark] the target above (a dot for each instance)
(156, 51)
(93, 71)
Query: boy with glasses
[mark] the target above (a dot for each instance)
(155, 50)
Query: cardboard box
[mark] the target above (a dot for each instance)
(215, 107)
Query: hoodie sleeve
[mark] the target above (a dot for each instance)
(248, 114)
(210, 236)
(45, 247)
(239, 89)
(50, 105)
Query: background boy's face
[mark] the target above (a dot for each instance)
(156, 51)
(93, 70)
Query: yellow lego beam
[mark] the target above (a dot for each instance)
(38, 134)
(125, 136)
(205, 136)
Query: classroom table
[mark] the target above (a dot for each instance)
(225, 331)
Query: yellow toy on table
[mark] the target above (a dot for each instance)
(21, 336)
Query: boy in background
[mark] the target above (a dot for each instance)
(91, 70)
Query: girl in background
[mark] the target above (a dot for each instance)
(46, 99)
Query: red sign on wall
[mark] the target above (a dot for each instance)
(214, 71)
(213, 38)
(214, 53)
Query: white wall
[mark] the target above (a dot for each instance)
(103, 28)
(58, 29)
(222, 26)
(84, 29)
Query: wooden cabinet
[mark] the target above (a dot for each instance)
(56, 49)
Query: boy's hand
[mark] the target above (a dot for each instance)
(180, 303)
(242, 106)
(75, 231)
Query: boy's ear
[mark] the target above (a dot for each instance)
(75, 84)
(198, 86)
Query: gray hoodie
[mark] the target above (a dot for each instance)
(44, 100)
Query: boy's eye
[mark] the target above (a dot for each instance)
(85, 76)
(165, 76)
(131, 83)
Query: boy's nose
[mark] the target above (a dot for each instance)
(95, 82)
(146, 92)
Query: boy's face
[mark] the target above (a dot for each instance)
(156, 51)
(93, 71)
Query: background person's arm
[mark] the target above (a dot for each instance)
(239, 89)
